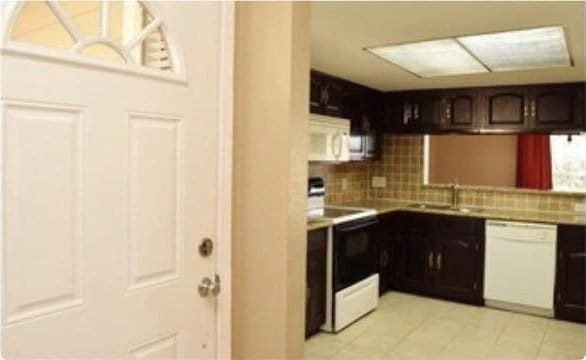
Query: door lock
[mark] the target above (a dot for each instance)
(206, 247)
(208, 287)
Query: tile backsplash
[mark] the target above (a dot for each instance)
(402, 165)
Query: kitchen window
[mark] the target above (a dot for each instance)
(568, 162)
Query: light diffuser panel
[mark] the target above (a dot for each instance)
(520, 50)
(431, 58)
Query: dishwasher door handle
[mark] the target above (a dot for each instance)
(527, 241)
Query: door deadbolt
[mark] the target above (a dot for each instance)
(206, 247)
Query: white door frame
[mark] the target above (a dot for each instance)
(225, 146)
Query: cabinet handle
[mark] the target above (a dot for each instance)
(439, 261)
(430, 260)
(416, 111)
(448, 111)
(324, 95)
(406, 113)
(384, 259)
(533, 109)
(525, 110)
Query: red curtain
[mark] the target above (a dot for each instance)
(533, 161)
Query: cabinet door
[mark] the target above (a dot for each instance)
(362, 107)
(315, 94)
(411, 112)
(386, 236)
(505, 109)
(315, 296)
(458, 263)
(333, 96)
(556, 107)
(415, 254)
(458, 110)
(570, 277)
(424, 110)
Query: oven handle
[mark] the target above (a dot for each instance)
(356, 225)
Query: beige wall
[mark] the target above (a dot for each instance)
(483, 160)
(270, 172)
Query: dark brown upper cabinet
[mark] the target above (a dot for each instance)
(326, 94)
(504, 108)
(557, 107)
(570, 284)
(459, 110)
(315, 94)
(412, 112)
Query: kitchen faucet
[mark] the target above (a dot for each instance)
(455, 189)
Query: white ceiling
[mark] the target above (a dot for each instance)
(340, 31)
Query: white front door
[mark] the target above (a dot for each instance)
(110, 176)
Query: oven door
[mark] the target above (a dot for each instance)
(354, 252)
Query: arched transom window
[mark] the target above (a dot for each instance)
(117, 31)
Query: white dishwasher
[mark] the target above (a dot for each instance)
(519, 268)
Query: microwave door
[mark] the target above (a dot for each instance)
(357, 147)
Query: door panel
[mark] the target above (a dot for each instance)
(505, 108)
(155, 204)
(459, 110)
(43, 223)
(457, 273)
(415, 254)
(459, 261)
(557, 107)
(315, 312)
(102, 169)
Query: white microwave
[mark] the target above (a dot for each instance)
(329, 138)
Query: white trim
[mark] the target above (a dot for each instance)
(224, 215)
(93, 40)
(425, 159)
(105, 18)
(152, 26)
(33, 51)
(65, 20)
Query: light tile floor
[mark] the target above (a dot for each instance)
(412, 327)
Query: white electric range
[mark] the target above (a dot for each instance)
(352, 273)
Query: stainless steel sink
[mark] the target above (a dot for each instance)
(465, 210)
(430, 206)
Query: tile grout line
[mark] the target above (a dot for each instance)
(549, 323)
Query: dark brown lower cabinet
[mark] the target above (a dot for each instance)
(459, 259)
(386, 239)
(315, 292)
(441, 256)
(570, 273)
(414, 262)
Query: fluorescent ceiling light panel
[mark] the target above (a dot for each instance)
(430, 58)
(520, 50)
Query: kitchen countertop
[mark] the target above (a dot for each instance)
(318, 224)
(385, 206)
